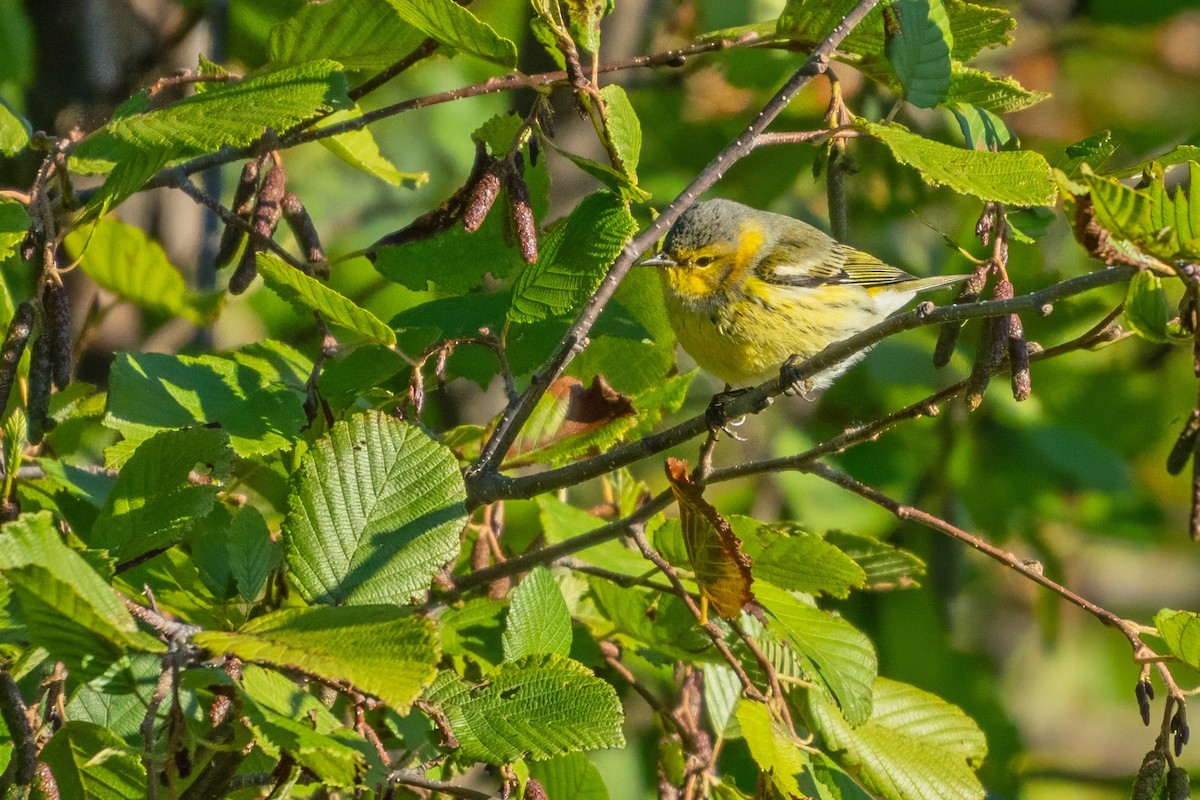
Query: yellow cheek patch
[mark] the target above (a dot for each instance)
(750, 239)
(688, 282)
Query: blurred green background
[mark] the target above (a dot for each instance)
(1074, 477)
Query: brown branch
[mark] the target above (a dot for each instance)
(1031, 570)
(408, 777)
(573, 341)
(485, 488)
(22, 767)
(421, 52)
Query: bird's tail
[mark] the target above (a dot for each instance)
(930, 283)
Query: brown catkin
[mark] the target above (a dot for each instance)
(949, 332)
(522, 213)
(302, 227)
(14, 345)
(37, 403)
(993, 341)
(243, 206)
(482, 197)
(1018, 359)
(1185, 445)
(57, 305)
(267, 212)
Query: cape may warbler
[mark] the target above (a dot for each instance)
(747, 289)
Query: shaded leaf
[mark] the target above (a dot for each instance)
(90, 762)
(803, 562)
(307, 293)
(571, 419)
(572, 775)
(14, 131)
(359, 149)
(14, 222)
(573, 258)
(918, 46)
(771, 747)
(375, 509)
(915, 745)
(1146, 309)
(722, 570)
(67, 607)
(152, 391)
(834, 654)
(125, 261)
(1181, 632)
(156, 496)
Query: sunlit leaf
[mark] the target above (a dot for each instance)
(538, 620)
(308, 293)
(90, 762)
(380, 649)
(1146, 309)
(375, 510)
(455, 26)
(772, 749)
(358, 34)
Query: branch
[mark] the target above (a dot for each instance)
(488, 487)
(573, 341)
(23, 766)
(408, 777)
(1032, 570)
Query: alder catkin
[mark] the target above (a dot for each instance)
(1018, 359)
(57, 305)
(302, 227)
(14, 345)
(243, 206)
(482, 197)
(37, 403)
(949, 332)
(522, 214)
(267, 212)
(993, 341)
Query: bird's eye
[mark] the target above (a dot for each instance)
(704, 261)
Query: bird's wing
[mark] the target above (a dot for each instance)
(799, 263)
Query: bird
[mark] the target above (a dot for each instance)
(747, 290)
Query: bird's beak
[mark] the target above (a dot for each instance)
(660, 259)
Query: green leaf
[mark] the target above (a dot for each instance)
(570, 420)
(827, 570)
(616, 181)
(155, 497)
(358, 34)
(152, 391)
(623, 129)
(919, 49)
(834, 654)
(287, 720)
(583, 21)
(380, 649)
(1181, 632)
(771, 747)
(572, 775)
(66, 606)
(235, 114)
(14, 222)
(886, 566)
(1146, 309)
(307, 293)
(536, 707)
(538, 620)
(14, 131)
(125, 261)
(915, 745)
(1121, 210)
(458, 28)
(982, 130)
(1019, 178)
(970, 86)
(1094, 151)
(90, 762)
(359, 150)
(572, 259)
(375, 511)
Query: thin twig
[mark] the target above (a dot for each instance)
(421, 52)
(715, 634)
(516, 415)
(409, 777)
